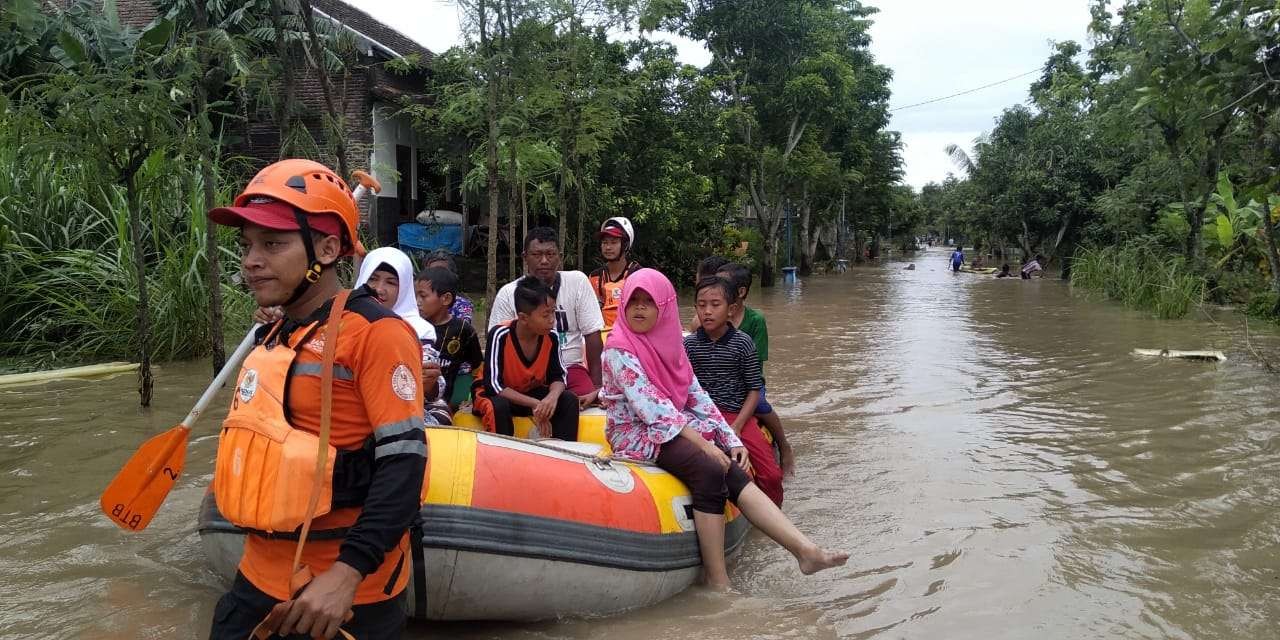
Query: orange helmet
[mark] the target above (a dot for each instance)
(307, 186)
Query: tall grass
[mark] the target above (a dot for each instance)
(1141, 275)
(68, 292)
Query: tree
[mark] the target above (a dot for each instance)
(116, 106)
(784, 67)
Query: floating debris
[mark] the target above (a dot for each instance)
(89, 371)
(1203, 356)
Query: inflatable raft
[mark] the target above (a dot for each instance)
(513, 529)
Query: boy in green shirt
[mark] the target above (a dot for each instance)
(751, 322)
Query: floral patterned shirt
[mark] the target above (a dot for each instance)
(639, 420)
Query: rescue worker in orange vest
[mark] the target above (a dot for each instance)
(296, 220)
(616, 239)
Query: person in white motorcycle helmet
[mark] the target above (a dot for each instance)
(617, 236)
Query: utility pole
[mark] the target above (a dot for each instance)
(789, 235)
(840, 229)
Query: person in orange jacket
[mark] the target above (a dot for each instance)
(297, 219)
(616, 239)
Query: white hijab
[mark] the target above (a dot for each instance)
(406, 304)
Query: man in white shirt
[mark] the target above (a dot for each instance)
(578, 317)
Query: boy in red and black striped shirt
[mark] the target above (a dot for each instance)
(522, 374)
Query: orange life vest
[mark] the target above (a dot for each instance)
(266, 471)
(609, 294)
(265, 468)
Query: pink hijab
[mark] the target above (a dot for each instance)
(661, 350)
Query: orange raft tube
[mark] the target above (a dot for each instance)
(513, 529)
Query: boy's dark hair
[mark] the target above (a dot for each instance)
(441, 279)
(530, 294)
(541, 234)
(739, 275)
(710, 265)
(716, 282)
(442, 255)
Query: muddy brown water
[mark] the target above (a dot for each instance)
(993, 457)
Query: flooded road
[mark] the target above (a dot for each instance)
(993, 457)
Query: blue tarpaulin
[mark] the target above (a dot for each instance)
(412, 235)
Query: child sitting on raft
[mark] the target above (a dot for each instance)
(436, 289)
(725, 359)
(751, 322)
(522, 374)
(656, 410)
(710, 266)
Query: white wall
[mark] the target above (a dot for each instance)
(387, 133)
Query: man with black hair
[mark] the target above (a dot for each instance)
(578, 320)
(616, 239)
(522, 374)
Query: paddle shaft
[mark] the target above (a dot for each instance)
(367, 183)
(233, 363)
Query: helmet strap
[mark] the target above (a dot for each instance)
(314, 268)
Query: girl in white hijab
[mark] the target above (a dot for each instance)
(389, 272)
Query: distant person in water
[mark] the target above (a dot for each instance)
(976, 263)
(657, 410)
(1004, 271)
(1033, 268)
(957, 259)
(910, 267)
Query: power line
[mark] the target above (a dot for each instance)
(968, 91)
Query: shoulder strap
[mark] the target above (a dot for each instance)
(301, 575)
(332, 326)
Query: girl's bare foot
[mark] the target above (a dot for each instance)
(815, 559)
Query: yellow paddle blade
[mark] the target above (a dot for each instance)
(136, 493)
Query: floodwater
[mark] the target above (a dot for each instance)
(993, 457)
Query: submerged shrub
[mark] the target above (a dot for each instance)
(69, 287)
(1139, 275)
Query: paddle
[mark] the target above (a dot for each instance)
(138, 490)
(367, 184)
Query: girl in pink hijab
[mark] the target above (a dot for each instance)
(658, 412)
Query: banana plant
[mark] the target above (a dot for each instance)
(1231, 227)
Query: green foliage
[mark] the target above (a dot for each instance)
(601, 127)
(1166, 129)
(1265, 305)
(1139, 275)
(67, 258)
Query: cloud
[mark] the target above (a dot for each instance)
(940, 47)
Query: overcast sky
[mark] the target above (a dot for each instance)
(935, 48)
